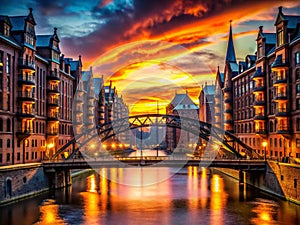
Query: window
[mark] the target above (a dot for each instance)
(298, 74)
(8, 143)
(271, 143)
(26, 155)
(8, 125)
(6, 29)
(32, 143)
(297, 58)
(298, 89)
(7, 157)
(298, 143)
(275, 142)
(280, 37)
(18, 156)
(298, 104)
(298, 124)
(1, 124)
(7, 64)
(1, 143)
(0, 158)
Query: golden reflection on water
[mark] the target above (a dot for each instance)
(218, 200)
(265, 211)
(49, 214)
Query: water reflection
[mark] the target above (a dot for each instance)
(50, 213)
(194, 196)
(265, 211)
(218, 200)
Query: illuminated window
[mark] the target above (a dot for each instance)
(280, 37)
(298, 143)
(297, 58)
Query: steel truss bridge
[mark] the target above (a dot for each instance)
(243, 155)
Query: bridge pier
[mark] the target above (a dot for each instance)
(242, 177)
(59, 178)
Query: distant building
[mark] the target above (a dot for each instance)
(181, 105)
(206, 103)
(262, 94)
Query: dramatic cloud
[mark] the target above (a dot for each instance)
(107, 33)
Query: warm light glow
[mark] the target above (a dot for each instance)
(50, 145)
(264, 144)
(93, 145)
(113, 145)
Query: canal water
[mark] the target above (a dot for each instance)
(192, 196)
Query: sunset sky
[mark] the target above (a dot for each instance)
(152, 48)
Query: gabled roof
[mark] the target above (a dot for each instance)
(292, 20)
(209, 89)
(17, 22)
(270, 38)
(98, 84)
(43, 40)
(183, 101)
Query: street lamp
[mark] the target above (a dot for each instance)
(264, 144)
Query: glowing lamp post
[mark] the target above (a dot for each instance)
(264, 144)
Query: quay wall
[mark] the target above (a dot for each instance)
(280, 179)
(22, 180)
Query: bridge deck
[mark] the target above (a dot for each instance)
(155, 162)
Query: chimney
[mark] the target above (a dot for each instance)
(280, 9)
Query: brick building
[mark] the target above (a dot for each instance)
(262, 93)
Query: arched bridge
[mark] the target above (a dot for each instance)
(226, 141)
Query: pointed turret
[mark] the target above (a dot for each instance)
(230, 55)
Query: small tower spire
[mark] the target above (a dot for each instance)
(230, 54)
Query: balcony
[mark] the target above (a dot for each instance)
(258, 87)
(53, 90)
(26, 79)
(52, 132)
(53, 76)
(281, 112)
(260, 131)
(259, 116)
(279, 80)
(280, 97)
(283, 129)
(53, 116)
(259, 102)
(26, 96)
(53, 102)
(258, 73)
(26, 113)
(279, 62)
(26, 64)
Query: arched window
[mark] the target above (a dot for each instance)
(8, 125)
(37, 127)
(8, 143)
(250, 128)
(246, 128)
(242, 128)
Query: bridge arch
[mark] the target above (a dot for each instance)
(206, 131)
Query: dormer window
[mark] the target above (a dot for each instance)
(248, 63)
(260, 50)
(6, 30)
(241, 68)
(280, 37)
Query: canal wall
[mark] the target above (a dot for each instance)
(279, 179)
(25, 180)
(20, 181)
